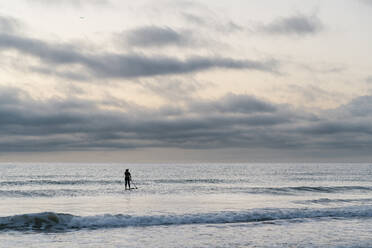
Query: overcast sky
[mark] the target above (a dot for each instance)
(186, 81)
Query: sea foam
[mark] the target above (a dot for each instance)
(59, 221)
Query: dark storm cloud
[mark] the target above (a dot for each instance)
(297, 25)
(113, 65)
(231, 121)
(153, 36)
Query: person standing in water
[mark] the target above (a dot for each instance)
(127, 178)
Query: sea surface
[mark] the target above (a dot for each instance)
(186, 205)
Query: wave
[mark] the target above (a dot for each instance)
(46, 193)
(111, 188)
(50, 193)
(304, 189)
(51, 221)
(7, 188)
(107, 182)
(59, 182)
(189, 181)
(329, 201)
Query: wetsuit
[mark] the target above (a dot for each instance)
(127, 179)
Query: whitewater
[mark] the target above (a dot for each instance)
(186, 205)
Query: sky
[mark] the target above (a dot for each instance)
(185, 81)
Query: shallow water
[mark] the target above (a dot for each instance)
(186, 205)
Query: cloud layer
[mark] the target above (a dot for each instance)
(369, 2)
(75, 3)
(294, 25)
(187, 58)
(240, 121)
(9, 25)
(116, 65)
(154, 36)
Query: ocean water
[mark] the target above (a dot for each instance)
(186, 205)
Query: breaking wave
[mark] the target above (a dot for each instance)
(330, 201)
(310, 189)
(50, 221)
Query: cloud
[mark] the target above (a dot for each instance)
(64, 124)
(358, 107)
(9, 25)
(114, 65)
(232, 121)
(173, 88)
(369, 79)
(136, 65)
(61, 73)
(211, 21)
(368, 2)
(74, 3)
(294, 25)
(346, 127)
(232, 103)
(154, 36)
(56, 53)
(194, 19)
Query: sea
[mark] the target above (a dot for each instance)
(186, 205)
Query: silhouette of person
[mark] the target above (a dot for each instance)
(128, 178)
